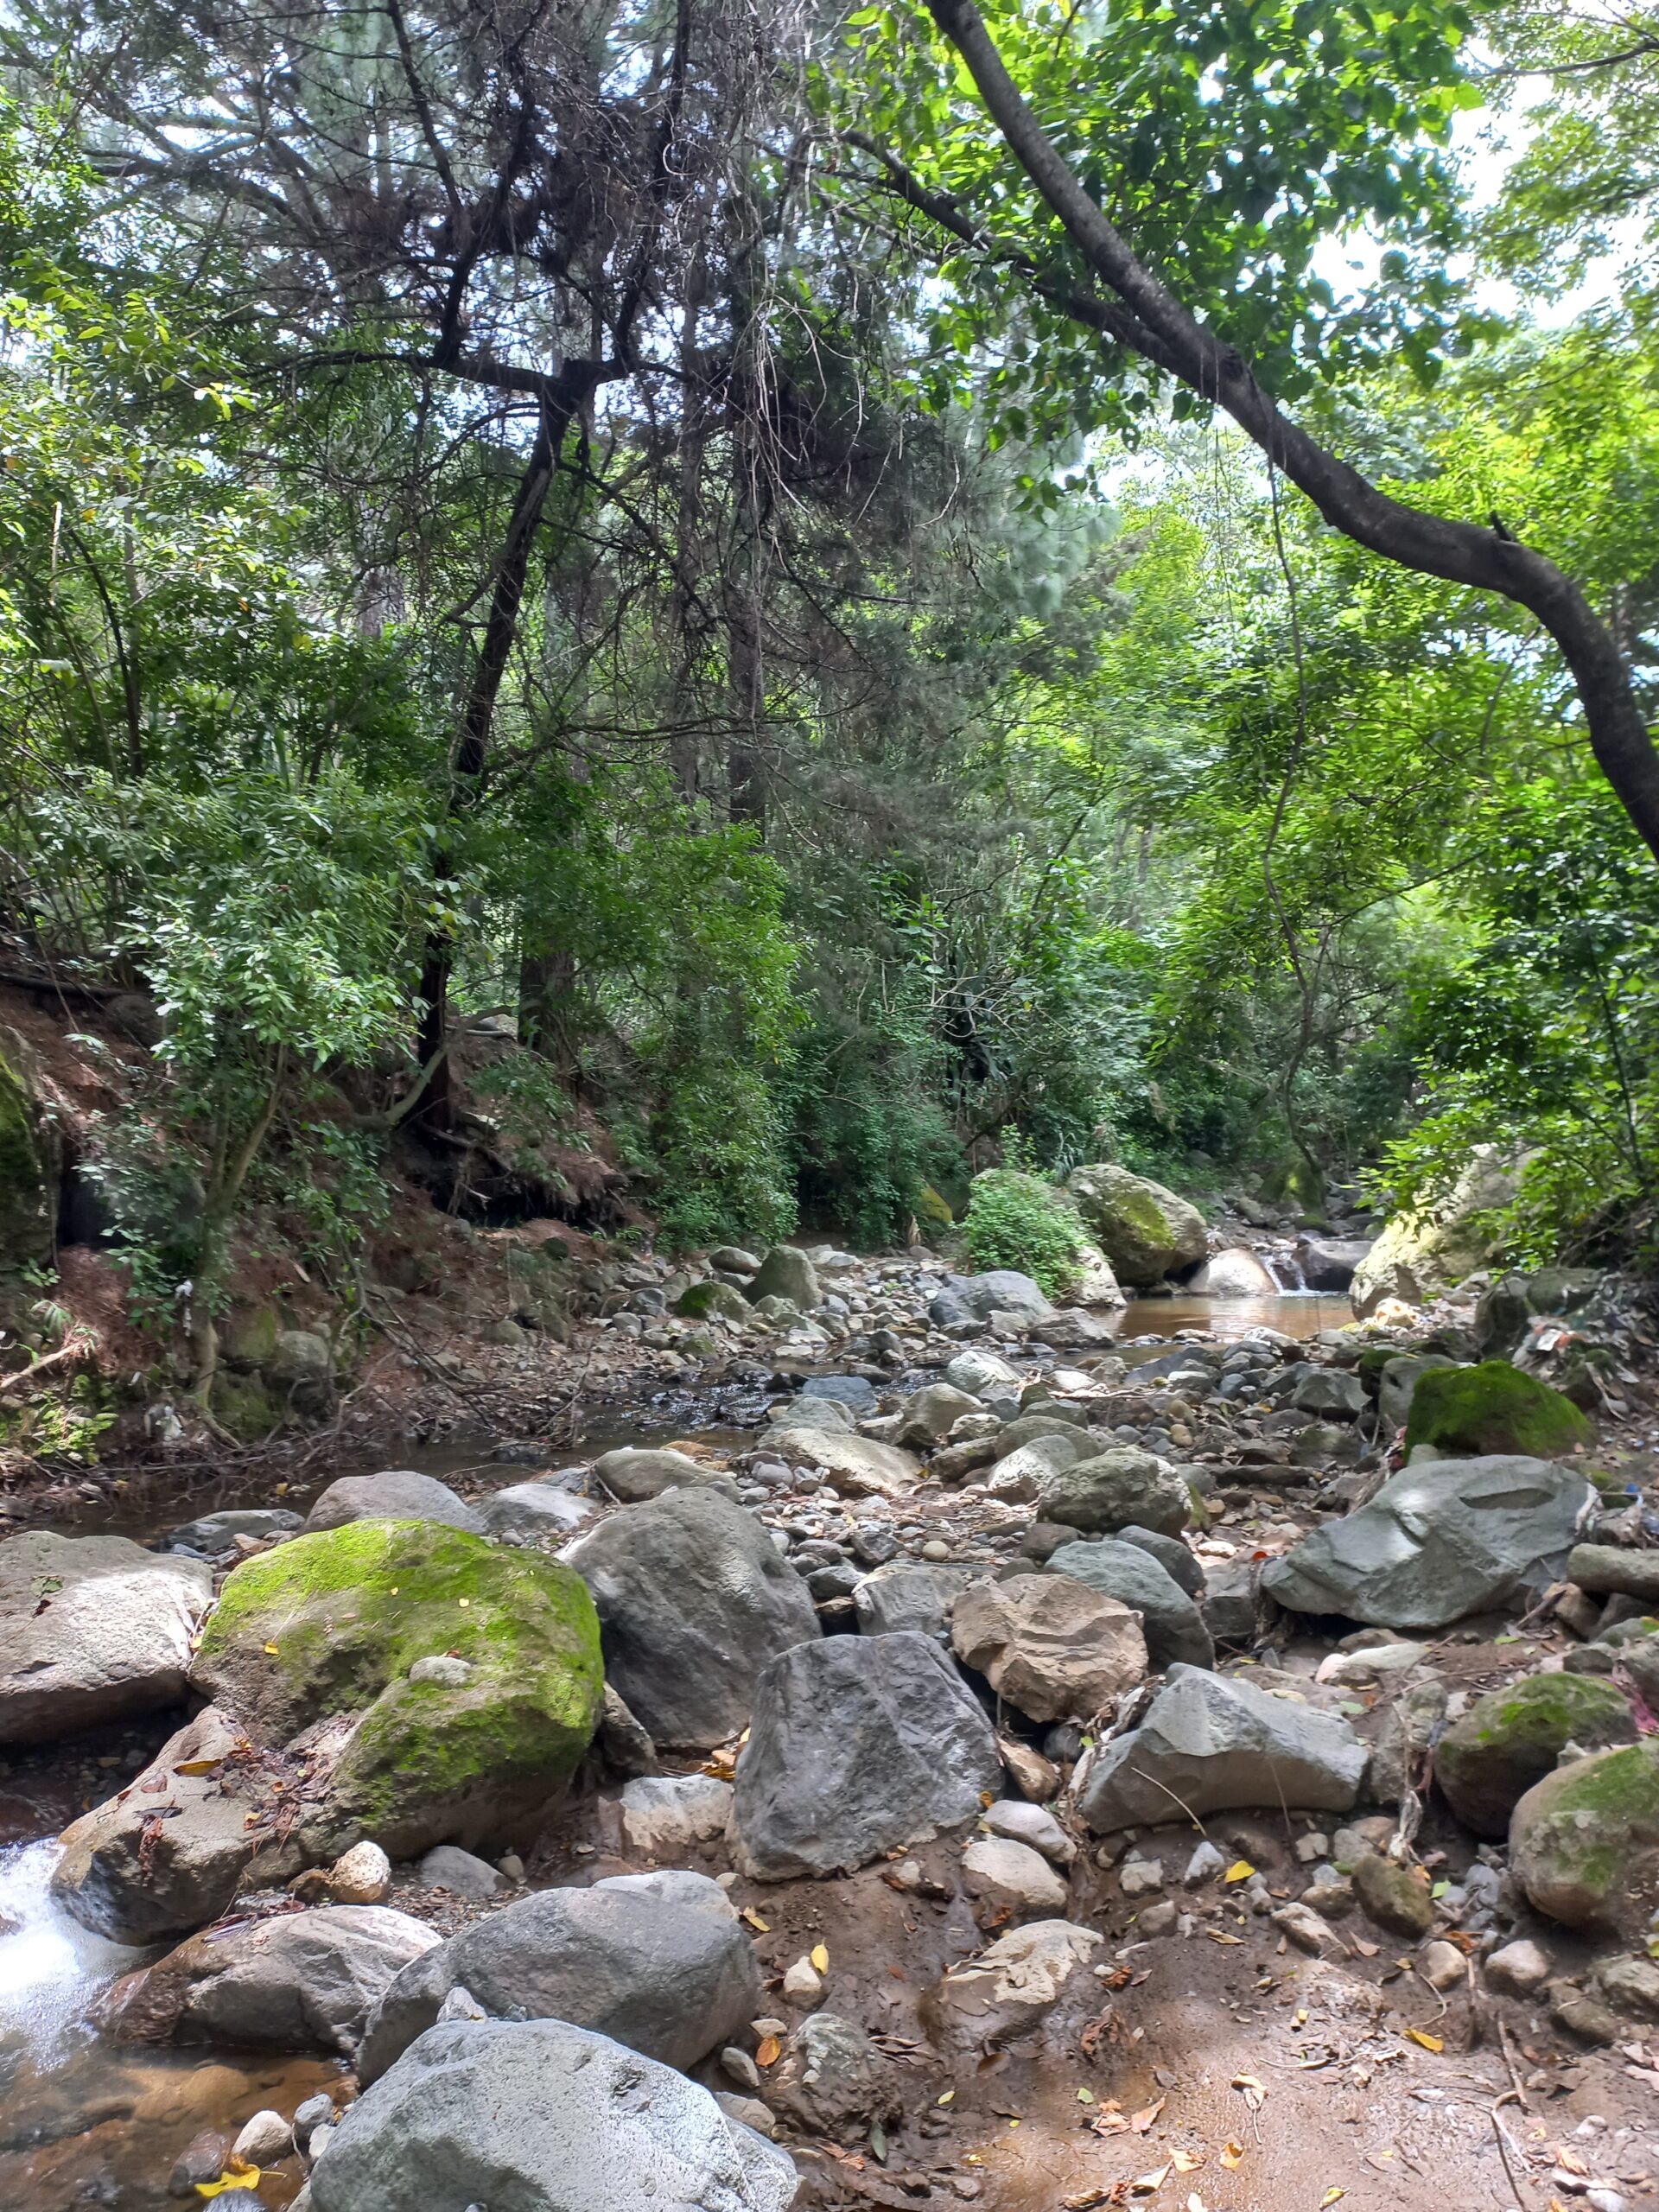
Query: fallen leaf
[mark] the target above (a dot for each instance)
(1332, 2197)
(1240, 1870)
(1149, 2184)
(195, 1766)
(755, 1921)
(271, 1653)
(1366, 1950)
(1186, 2162)
(1255, 2093)
(820, 1958)
(1232, 2157)
(879, 2141)
(1217, 1937)
(769, 2052)
(1428, 2041)
(948, 2097)
(1141, 2122)
(235, 2176)
(1085, 2097)
(1195, 2203)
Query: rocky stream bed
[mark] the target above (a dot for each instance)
(995, 1755)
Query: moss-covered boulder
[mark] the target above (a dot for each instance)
(1145, 1231)
(1583, 1843)
(332, 1628)
(1492, 1408)
(28, 1163)
(698, 1301)
(1493, 1754)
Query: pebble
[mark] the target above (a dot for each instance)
(1204, 1865)
(802, 1984)
(739, 2067)
(1442, 1966)
(265, 2141)
(1139, 1877)
(1520, 1968)
(935, 1548)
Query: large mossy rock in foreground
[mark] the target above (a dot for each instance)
(1145, 1231)
(1583, 1843)
(330, 1625)
(1490, 1755)
(1493, 1408)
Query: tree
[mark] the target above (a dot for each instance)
(1091, 274)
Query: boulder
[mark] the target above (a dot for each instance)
(831, 2073)
(1421, 1253)
(91, 1628)
(1330, 1264)
(535, 1513)
(1488, 1758)
(1584, 1842)
(1491, 1409)
(694, 1598)
(670, 1982)
(1397, 1897)
(1010, 1874)
(786, 1273)
(1145, 1230)
(542, 2116)
(813, 1410)
(1007, 1990)
(733, 1260)
(1234, 1274)
(929, 1415)
(855, 1392)
(301, 1370)
(676, 1886)
(1037, 1427)
(1114, 1490)
(858, 1744)
(1440, 1541)
(1171, 1554)
(1170, 1620)
(1055, 1649)
(1333, 1393)
(1021, 1475)
(299, 1982)
(699, 1301)
(395, 1494)
(447, 1866)
(1211, 1744)
(1032, 1824)
(999, 1290)
(332, 1624)
(636, 1476)
(982, 1374)
(663, 1814)
(359, 1876)
(1397, 1386)
(857, 1466)
(168, 1853)
(907, 1594)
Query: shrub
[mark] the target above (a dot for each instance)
(1017, 1220)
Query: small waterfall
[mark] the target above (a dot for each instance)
(51, 1968)
(1287, 1271)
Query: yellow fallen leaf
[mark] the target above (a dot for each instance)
(1240, 1870)
(463, 1601)
(234, 2176)
(1186, 2162)
(820, 1958)
(1232, 2157)
(1332, 2197)
(1216, 1935)
(755, 1921)
(270, 1652)
(1422, 2036)
(1255, 2091)
(1149, 2184)
(195, 1766)
(768, 2053)
(948, 2097)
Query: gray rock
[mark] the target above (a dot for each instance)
(590, 2126)
(1116, 1489)
(447, 1866)
(857, 1466)
(1447, 1538)
(999, 1290)
(910, 1594)
(1232, 1605)
(733, 1260)
(1398, 1386)
(1210, 1744)
(693, 1600)
(1171, 1554)
(1235, 1274)
(635, 1476)
(299, 1982)
(855, 1392)
(1329, 1262)
(153, 1864)
(535, 1513)
(1144, 1229)
(1519, 1969)
(786, 1273)
(1173, 1627)
(1031, 1426)
(831, 2073)
(664, 1814)
(857, 1745)
(667, 1979)
(929, 1415)
(215, 1533)
(981, 1373)
(676, 1886)
(91, 1628)
(1012, 1874)
(394, 1494)
(1333, 1392)
(301, 1370)
(1009, 1987)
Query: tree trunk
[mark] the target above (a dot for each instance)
(1144, 316)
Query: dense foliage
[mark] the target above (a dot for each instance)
(594, 566)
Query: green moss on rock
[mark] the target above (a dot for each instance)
(330, 1624)
(1489, 1758)
(1493, 1408)
(699, 1300)
(1145, 1230)
(1583, 1843)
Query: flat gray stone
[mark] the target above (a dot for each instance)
(1441, 1540)
(635, 1475)
(535, 1513)
(908, 1593)
(858, 1744)
(394, 1494)
(542, 2116)
(1211, 1744)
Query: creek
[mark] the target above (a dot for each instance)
(84, 2121)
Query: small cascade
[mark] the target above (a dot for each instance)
(51, 1968)
(1286, 1270)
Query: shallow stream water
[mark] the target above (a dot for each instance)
(85, 2122)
